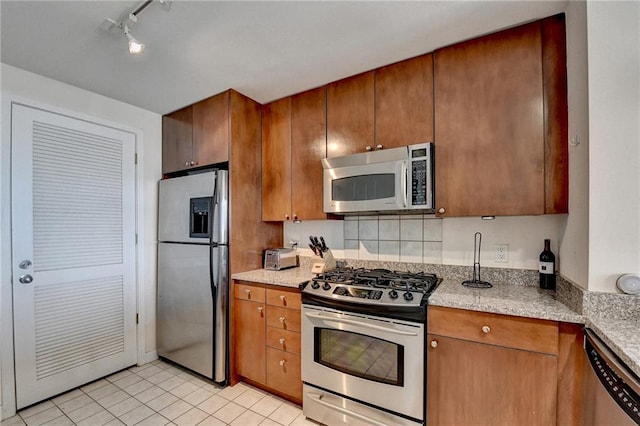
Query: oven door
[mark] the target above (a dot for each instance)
(373, 360)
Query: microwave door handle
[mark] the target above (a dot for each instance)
(359, 324)
(404, 178)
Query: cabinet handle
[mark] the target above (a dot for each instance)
(192, 163)
(379, 146)
(283, 298)
(282, 362)
(286, 216)
(260, 309)
(186, 163)
(486, 329)
(282, 319)
(441, 210)
(368, 148)
(248, 292)
(281, 341)
(295, 216)
(434, 343)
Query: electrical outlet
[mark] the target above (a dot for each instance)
(502, 253)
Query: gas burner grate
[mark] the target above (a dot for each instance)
(381, 278)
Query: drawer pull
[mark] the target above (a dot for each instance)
(486, 329)
(282, 362)
(260, 309)
(248, 291)
(281, 341)
(434, 343)
(282, 319)
(283, 298)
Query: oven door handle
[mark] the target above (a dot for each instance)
(318, 398)
(360, 324)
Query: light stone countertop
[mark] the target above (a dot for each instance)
(518, 300)
(622, 336)
(291, 277)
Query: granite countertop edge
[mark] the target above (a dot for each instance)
(291, 277)
(621, 336)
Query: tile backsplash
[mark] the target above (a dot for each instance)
(411, 238)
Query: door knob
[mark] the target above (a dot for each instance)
(25, 264)
(26, 279)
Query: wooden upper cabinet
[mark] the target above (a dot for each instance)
(197, 135)
(293, 145)
(276, 160)
(308, 148)
(177, 140)
(211, 130)
(350, 115)
(496, 153)
(404, 102)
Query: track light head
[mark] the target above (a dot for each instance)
(135, 46)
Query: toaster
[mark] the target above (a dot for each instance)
(280, 258)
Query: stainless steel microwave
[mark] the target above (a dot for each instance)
(385, 181)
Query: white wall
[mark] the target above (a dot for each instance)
(614, 141)
(43, 91)
(574, 242)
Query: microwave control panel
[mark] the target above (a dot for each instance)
(420, 157)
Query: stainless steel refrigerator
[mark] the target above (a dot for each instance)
(193, 272)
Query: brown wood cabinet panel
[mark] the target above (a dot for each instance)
(473, 383)
(284, 340)
(177, 140)
(489, 127)
(248, 291)
(284, 297)
(308, 148)
(249, 235)
(284, 372)
(570, 374)
(211, 130)
(287, 319)
(503, 330)
(249, 324)
(404, 102)
(276, 160)
(556, 149)
(350, 115)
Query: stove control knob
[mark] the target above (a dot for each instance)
(315, 285)
(326, 286)
(408, 296)
(393, 294)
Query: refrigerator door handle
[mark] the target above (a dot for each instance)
(219, 289)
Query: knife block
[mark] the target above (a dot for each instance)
(323, 264)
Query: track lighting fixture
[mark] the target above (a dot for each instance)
(128, 19)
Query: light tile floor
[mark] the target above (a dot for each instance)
(159, 393)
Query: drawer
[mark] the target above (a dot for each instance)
(284, 297)
(283, 372)
(495, 329)
(247, 291)
(282, 318)
(285, 340)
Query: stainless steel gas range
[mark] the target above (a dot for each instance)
(363, 347)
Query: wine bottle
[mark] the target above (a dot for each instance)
(547, 267)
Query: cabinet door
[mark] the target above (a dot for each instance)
(489, 126)
(350, 110)
(250, 340)
(308, 148)
(276, 160)
(177, 140)
(404, 102)
(480, 384)
(211, 130)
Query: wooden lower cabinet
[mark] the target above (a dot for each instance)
(267, 337)
(480, 384)
(492, 369)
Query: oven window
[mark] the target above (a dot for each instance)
(359, 355)
(365, 187)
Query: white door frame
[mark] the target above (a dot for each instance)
(7, 367)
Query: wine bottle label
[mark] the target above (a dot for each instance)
(546, 268)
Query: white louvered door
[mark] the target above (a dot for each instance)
(73, 233)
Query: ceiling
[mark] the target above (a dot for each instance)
(263, 49)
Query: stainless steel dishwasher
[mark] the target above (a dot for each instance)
(611, 391)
